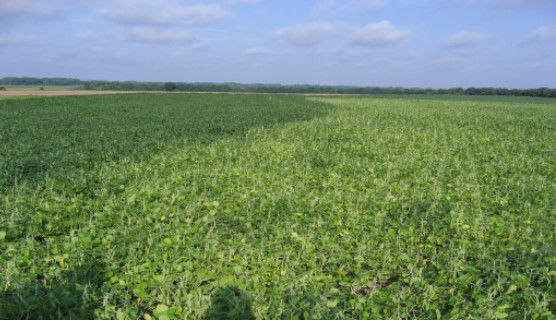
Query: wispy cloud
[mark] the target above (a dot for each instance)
(161, 36)
(88, 36)
(542, 34)
(14, 9)
(364, 5)
(162, 12)
(512, 4)
(493, 4)
(254, 51)
(234, 2)
(379, 34)
(330, 7)
(466, 39)
(309, 34)
(10, 39)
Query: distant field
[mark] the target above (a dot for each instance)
(194, 206)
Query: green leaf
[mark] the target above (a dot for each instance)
(160, 309)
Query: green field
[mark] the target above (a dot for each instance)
(190, 206)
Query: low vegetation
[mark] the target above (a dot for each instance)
(271, 88)
(29, 81)
(186, 206)
(170, 86)
(36, 88)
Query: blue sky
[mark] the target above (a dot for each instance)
(410, 43)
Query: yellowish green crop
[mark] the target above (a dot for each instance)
(187, 206)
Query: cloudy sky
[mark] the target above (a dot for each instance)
(411, 43)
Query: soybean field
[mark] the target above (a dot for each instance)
(240, 206)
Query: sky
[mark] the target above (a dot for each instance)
(408, 43)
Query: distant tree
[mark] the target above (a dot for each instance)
(277, 88)
(170, 86)
(2, 88)
(28, 81)
(41, 88)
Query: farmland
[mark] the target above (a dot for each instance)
(193, 206)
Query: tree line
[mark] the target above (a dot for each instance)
(268, 88)
(28, 81)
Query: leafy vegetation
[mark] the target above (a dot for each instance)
(29, 81)
(272, 88)
(308, 89)
(187, 206)
(36, 87)
(170, 86)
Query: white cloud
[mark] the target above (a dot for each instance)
(309, 34)
(365, 5)
(162, 12)
(541, 34)
(88, 36)
(154, 35)
(257, 51)
(7, 39)
(466, 39)
(326, 7)
(199, 44)
(234, 2)
(496, 4)
(513, 3)
(331, 7)
(25, 8)
(379, 34)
